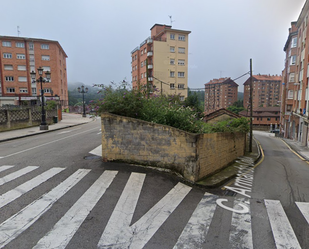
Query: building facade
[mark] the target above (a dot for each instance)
(220, 93)
(20, 56)
(294, 114)
(161, 62)
(266, 91)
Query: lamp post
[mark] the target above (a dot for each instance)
(41, 80)
(83, 90)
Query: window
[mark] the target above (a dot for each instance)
(21, 56)
(44, 46)
(181, 38)
(22, 78)
(47, 90)
(142, 75)
(142, 52)
(45, 57)
(145, 75)
(31, 46)
(182, 98)
(142, 64)
(292, 77)
(181, 50)
(8, 67)
(20, 44)
(145, 50)
(181, 86)
(181, 62)
(268, 119)
(290, 94)
(172, 86)
(10, 90)
(294, 42)
(293, 60)
(23, 90)
(172, 74)
(9, 78)
(6, 44)
(172, 49)
(172, 36)
(172, 61)
(7, 55)
(181, 74)
(33, 90)
(21, 68)
(46, 69)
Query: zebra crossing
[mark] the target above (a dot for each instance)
(119, 230)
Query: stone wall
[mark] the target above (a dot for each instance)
(194, 156)
(22, 118)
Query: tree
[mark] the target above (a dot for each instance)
(236, 107)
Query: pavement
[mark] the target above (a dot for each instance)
(68, 120)
(216, 180)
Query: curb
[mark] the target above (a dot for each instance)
(35, 134)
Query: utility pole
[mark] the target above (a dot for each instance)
(251, 107)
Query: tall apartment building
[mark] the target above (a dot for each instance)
(220, 93)
(265, 91)
(20, 56)
(295, 117)
(291, 86)
(161, 61)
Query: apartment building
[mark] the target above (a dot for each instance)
(20, 56)
(294, 114)
(290, 87)
(220, 93)
(161, 61)
(265, 91)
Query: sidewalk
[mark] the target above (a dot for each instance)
(298, 148)
(68, 120)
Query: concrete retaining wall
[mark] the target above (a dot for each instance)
(192, 155)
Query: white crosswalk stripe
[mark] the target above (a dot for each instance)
(18, 223)
(17, 174)
(119, 232)
(5, 167)
(64, 230)
(27, 186)
(282, 230)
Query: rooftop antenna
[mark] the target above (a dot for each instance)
(171, 20)
(18, 32)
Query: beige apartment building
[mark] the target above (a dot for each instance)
(161, 61)
(220, 93)
(20, 56)
(266, 91)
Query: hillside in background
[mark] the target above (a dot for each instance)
(240, 95)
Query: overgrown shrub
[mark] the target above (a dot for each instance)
(166, 110)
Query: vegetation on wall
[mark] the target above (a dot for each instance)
(120, 99)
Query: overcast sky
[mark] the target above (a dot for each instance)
(98, 35)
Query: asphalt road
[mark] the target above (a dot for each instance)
(54, 194)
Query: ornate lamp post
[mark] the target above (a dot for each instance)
(83, 90)
(41, 80)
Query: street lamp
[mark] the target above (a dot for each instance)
(41, 80)
(83, 90)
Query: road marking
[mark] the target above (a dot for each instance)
(5, 167)
(282, 230)
(241, 231)
(304, 208)
(99, 133)
(97, 151)
(66, 227)
(18, 223)
(27, 186)
(195, 232)
(118, 232)
(17, 174)
(51, 142)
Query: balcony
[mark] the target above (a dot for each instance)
(149, 40)
(150, 66)
(149, 54)
(150, 79)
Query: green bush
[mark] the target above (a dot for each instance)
(166, 110)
